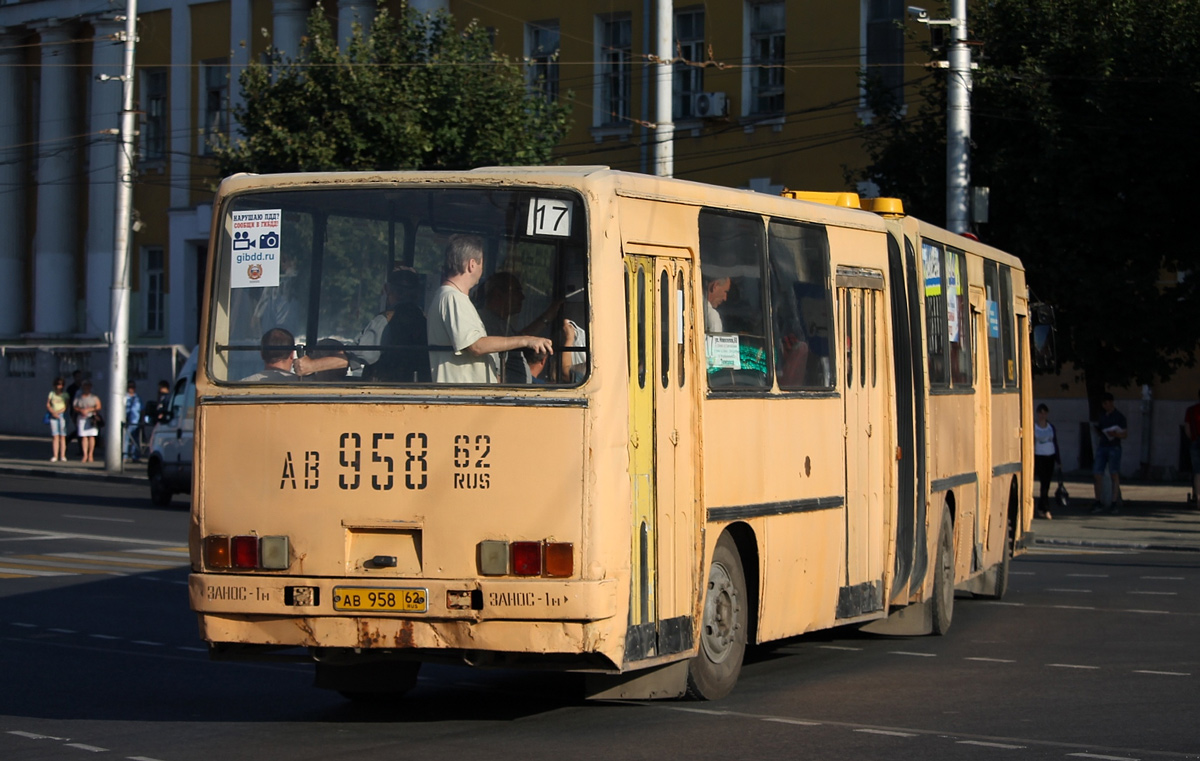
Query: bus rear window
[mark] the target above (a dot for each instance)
(335, 286)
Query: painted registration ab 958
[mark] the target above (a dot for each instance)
(381, 599)
(382, 461)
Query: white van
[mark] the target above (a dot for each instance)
(170, 465)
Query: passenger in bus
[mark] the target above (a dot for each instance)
(400, 325)
(278, 348)
(716, 291)
(460, 349)
(326, 349)
(574, 363)
(502, 301)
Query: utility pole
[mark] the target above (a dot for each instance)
(118, 351)
(958, 114)
(664, 129)
(958, 123)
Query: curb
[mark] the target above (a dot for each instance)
(1111, 545)
(76, 475)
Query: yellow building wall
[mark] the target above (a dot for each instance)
(210, 40)
(151, 192)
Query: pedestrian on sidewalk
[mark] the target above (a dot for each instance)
(72, 392)
(133, 424)
(1111, 428)
(87, 406)
(1045, 458)
(58, 408)
(1191, 423)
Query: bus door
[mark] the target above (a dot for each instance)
(863, 384)
(661, 450)
(983, 426)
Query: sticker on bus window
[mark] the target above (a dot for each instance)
(549, 216)
(932, 256)
(723, 351)
(254, 262)
(952, 302)
(993, 318)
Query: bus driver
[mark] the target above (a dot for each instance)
(455, 323)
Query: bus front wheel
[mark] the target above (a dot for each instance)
(714, 671)
(943, 579)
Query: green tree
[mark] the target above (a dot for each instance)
(414, 93)
(1083, 115)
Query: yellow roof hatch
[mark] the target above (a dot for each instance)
(888, 207)
(845, 200)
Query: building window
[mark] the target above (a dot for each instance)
(154, 131)
(22, 364)
(215, 93)
(155, 282)
(542, 41)
(766, 58)
(70, 361)
(884, 47)
(616, 53)
(689, 45)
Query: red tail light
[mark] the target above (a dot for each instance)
(527, 558)
(244, 550)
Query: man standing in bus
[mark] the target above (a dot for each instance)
(1112, 428)
(454, 322)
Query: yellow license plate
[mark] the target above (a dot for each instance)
(369, 599)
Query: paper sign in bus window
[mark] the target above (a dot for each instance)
(724, 351)
(952, 302)
(549, 216)
(254, 262)
(932, 256)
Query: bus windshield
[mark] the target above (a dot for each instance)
(333, 285)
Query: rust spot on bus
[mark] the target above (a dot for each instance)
(404, 636)
(808, 466)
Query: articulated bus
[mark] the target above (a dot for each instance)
(763, 416)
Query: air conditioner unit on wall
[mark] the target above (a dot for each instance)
(709, 105)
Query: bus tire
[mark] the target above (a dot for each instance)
(943, 577)
(723, 626)
(1000, 586)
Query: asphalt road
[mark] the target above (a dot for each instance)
(1091, 655)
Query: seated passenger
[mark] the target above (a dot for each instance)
(716, 291)
(401, 325)
(333, 349)
(278, 348)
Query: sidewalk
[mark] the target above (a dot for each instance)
(30, 455)
(1154, 517)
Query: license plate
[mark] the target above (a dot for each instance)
(381, 599)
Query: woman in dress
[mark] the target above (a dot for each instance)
(57, 407)
(87, 406)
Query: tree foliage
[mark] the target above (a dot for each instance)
(414, 93)
(1083, 113)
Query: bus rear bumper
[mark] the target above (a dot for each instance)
(535, 616)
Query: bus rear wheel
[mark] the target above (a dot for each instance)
(943, 578)
(714, 671)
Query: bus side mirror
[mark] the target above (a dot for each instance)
(1042, 352)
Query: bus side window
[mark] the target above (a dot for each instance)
(802, 305)
(732, 258)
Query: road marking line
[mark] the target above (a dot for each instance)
(92, 748)
(64, 631)
(192, 649)
(1088, 575)
(990, 660)
(32, 572)
(141, 758)
(95, 537)
(1072, 666)
(990, 745)
(1164, 578)
(1162, 673)
(1022, 573)
(1107, 758)
(103, 636)
(839, 647)
(700, 710)
(888, 732)
(797, 722)
(178, 553)
(1164, 594)
(1073, 607)
(1061, 589)
(32, 736)
(919, 655)
(113, 558)
(147, 642)
(24, 625)
(1135, 610)
(98, 518)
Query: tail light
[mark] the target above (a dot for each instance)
(544, 558)
(246, 552)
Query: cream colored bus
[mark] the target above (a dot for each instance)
(763, 416)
